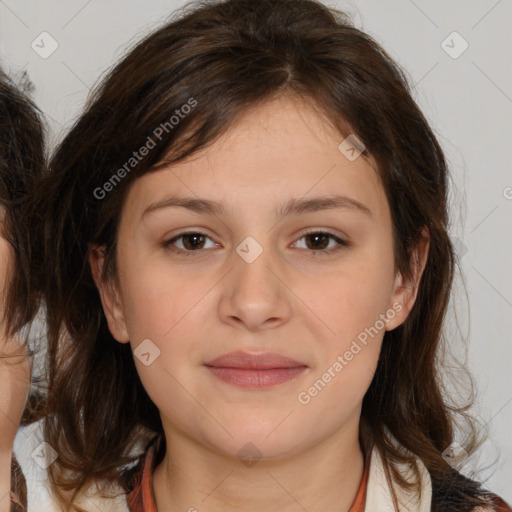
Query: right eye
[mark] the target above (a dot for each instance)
(193, 241)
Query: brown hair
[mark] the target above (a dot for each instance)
(22, 160)
(227, 56)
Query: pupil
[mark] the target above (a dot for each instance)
(189, 237)
(316, 236)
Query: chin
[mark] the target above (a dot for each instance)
(249, 442)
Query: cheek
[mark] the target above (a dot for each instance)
(336, 393)
(163, 304)
(348, 352)
(353, 305)
(351, 298)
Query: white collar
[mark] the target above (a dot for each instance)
(378, 493)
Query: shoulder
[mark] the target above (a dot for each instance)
(453, 492)
(456, 492)
(34, 456)
(499, 505)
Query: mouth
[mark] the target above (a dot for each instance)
(255, 371)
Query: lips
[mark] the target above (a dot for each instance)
(244, 360)
(255, 371)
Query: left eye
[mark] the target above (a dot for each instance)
(320, 240)
(194, 241)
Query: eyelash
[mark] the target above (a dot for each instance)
(167, 245)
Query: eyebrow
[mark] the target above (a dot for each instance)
(292, 207)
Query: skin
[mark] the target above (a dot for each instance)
(290, 300)
(14, 378)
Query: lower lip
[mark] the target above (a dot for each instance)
(256, 379)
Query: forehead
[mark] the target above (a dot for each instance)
(273, 152)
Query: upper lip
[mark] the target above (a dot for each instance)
(263, 361)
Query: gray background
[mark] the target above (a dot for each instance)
(467, 98)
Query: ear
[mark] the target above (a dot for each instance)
(405, 292)
(109, 294)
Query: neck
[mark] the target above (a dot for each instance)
(324, 477)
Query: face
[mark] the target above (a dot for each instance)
(316, 285)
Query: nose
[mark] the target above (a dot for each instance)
(255, 295)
